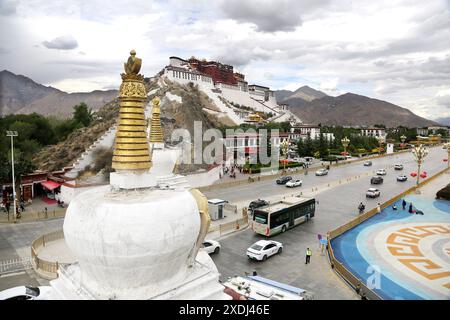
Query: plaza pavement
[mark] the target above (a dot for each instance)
(410, 251)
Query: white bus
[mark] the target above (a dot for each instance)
(279, 216)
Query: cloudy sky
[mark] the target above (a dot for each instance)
(395, 50)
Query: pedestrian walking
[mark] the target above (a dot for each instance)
(404, 204)
(308, 255)
(45, 212)
(7, 207)
(410, 210)
(378, 208)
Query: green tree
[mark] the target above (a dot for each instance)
(82, 115)
(322, 146)
(300, 148)
(309, 147)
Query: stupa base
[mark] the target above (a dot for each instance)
(132, 180)
(200, 283)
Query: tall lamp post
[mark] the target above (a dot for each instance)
(419, 153)
(345, 142)
(13, 134)
(447, 145)
(403, 139)
(285, 148)
(380, 140)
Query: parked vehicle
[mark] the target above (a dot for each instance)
(372, 193)
(25, 293)
(381, 172)
(398, 167)
(308, 159)
(294, 183)
(402, 178)
(367, 163)
(263, 249)
(321, 172)
(376, 180)
(211, 246)
(257, 203)
(284, 180)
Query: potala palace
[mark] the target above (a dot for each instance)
(230, 91)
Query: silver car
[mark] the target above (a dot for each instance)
(321, 172)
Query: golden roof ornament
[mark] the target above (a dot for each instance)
(131, 150)
(156, 134)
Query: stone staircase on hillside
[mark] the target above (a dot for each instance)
(261, 102)
(87, 157)
(223, 107)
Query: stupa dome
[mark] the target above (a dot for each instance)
(131, 239)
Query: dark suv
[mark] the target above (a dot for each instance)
(284, 180)
(256, 204)
(376, 180)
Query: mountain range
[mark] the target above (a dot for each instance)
(349, 109)
(19, 94)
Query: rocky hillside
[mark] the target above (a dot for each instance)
(353, 109)
(181, 105)
(19, 94)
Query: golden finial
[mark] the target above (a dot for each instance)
(156, 134)
(131, 151)
(133, 64)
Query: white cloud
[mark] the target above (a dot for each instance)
(67, 42)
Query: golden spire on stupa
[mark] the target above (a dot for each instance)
(156, 134)
(131, 150)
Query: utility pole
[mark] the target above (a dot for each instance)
(13, 134)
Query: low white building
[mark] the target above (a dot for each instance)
(314, 131)
(373, 132)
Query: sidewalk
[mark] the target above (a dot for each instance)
(34, 212)
(233, 221)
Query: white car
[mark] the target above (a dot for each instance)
(294, 183)
(398, 167)
(211, 246)
(372, 193)
(381, 172)
(321, 172)
(25, 293)
(263, 249)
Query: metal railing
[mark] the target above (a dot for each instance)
(349, 277)
(41, 266)
(15, 265)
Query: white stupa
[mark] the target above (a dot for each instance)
(133, 239)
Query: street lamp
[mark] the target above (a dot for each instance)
(403, 139)
(345, 142)
(13, 134)
(419, 153)
(447, 145)
(285, 148)
(380, 143)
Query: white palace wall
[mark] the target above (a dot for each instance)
(184, 77)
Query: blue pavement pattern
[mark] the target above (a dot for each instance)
(367, 249)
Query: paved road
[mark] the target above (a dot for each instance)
(251, 191)
(336, 206)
